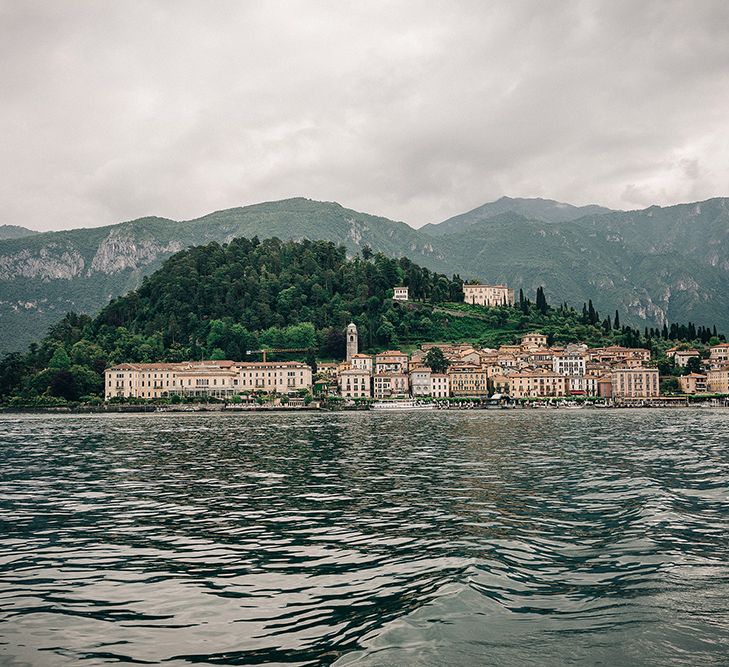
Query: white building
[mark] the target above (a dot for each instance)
(401, 294)
(362, 362)
(568, 363)
(216, 379)
(585, 385)
(355, 383)
(440, 385)
(420, 381)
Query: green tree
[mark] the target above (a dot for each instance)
(436, 360)
(60, 359)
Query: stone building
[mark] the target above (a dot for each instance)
(352, 341)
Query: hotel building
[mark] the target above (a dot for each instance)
(215, 379)
(635, 383)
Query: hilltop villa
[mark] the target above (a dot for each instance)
(488, 295)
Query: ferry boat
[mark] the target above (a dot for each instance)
(402, 405)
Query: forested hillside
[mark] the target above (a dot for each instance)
(219, 301)
(44, 276)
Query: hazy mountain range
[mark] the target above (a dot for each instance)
(655, 264)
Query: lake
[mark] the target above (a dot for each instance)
(535, 537)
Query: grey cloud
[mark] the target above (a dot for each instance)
(413, 110)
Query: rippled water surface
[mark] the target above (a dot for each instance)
(506, 538)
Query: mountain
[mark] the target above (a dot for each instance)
(545, 210)
(46, 275)
(14, 232)
(655, 265)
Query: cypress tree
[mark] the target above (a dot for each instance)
(616, 322)
(591, 312)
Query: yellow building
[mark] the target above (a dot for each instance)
(488, 295)
(635, 383)
(468, 380)
(205, 380)
(538, 383)
(533, 341)
(616, 354)
(139, 380)
(693, 383)
(717, 380)
(282, 377)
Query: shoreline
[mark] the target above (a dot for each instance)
(221, 409)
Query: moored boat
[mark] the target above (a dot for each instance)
(406, 404)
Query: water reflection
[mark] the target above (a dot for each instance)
(440, 538)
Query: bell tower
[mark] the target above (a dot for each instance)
(352, 344)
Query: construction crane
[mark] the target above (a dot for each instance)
(279, 349)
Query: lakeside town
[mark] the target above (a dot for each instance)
(528, 371)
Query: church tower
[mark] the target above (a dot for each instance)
(352, 347)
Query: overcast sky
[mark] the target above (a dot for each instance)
(413, 110)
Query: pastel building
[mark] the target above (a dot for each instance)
(533, 341)
(390, 385)
(717, 380)
(538, 383)
(569, 363)
(215, 379)
(682, 357)
(282, 377)
(693, 383)
(635, 383)
(420, 381)
(391, 361)
(355, 383)
(488, 295)
(468, 380)
(719, 355)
